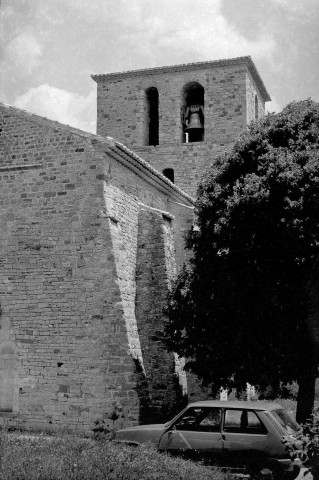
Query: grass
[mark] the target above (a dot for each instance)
(74, 458)
(66, 457)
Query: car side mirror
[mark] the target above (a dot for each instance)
(171, 431)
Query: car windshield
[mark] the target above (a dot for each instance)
(285, 420)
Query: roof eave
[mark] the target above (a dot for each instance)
(247, 60)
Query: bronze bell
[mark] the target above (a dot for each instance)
(194, 115)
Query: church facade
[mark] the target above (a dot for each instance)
(92, 235)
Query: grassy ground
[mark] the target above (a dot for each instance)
(74, 458)
(27, 457)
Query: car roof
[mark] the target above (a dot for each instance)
(253, 405)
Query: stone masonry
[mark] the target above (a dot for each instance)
(234, 95)
(91, 239)
(87, 254)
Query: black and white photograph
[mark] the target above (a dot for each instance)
(159, 239)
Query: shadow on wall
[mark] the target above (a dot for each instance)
(7, 369)
(158, 380)
(151, 410)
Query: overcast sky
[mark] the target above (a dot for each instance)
(49, 48)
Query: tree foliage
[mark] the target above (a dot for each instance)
(245, 309)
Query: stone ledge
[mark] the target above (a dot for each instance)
(10, 168)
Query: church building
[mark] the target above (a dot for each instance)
(92, 234)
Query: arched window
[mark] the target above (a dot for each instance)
(256, 107)
(7, 367)
(192, 113)
(152, 116)
(169, 173)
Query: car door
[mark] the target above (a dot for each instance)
(245, 438)
(195, 434)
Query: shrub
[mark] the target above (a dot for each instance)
(304, 446)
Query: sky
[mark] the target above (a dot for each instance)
(50, 48)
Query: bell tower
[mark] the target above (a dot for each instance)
(179, 118)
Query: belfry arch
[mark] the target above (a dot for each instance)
(192, 113)
(152, 106)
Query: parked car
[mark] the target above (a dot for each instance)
(231, 434)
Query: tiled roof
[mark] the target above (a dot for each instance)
(141, 164)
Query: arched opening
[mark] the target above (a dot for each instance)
(192, 113)
(7, 367)
(152, 116)
(169, 173)
(256, 107)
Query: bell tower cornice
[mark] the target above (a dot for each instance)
(247, 60)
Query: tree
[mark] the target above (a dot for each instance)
(246, 307)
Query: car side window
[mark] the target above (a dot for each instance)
(243, 421)
(200, 420)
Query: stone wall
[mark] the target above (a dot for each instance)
(189, 161)
(230, 88)
(154, 275)
(71, 354)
